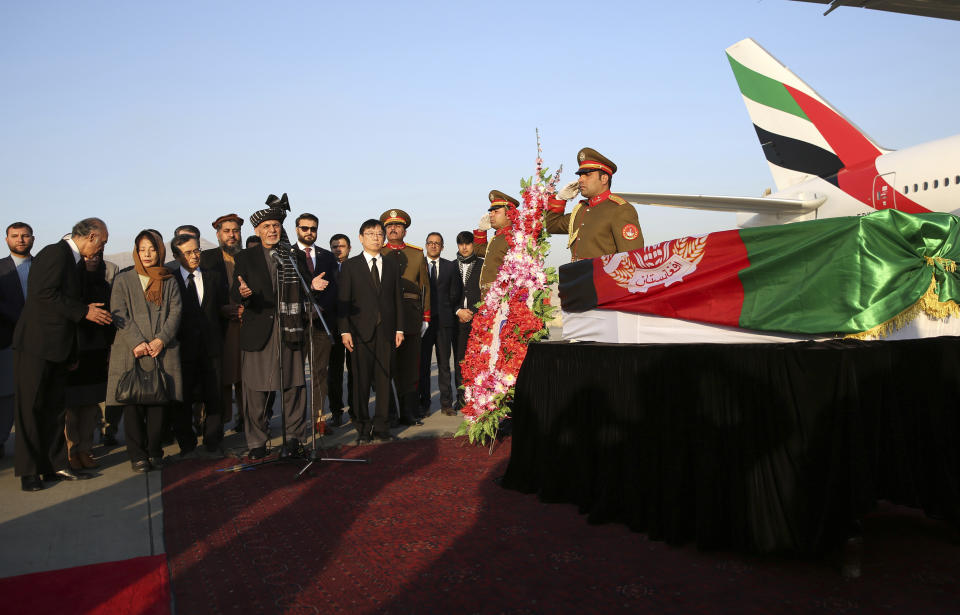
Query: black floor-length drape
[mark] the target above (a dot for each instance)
(756, 447)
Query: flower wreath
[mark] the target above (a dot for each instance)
(518, 304)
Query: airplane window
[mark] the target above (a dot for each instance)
(936, 183)
(956, 180)
(915, 188)
(946, 182)
(925, 185)
(906, 189)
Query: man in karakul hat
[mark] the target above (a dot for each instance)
(262, 330)
(415, 293)
(494, 252)
(602, 223)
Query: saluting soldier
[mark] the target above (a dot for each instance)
(494, 252)
(415, 291)
(602, 223)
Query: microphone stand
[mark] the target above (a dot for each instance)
(308, 293)
(285, 455)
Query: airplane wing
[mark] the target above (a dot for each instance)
(745, 204)
(944, 9)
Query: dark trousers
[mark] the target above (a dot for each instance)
(406, 374)
(319, 366)
(41, 447)
(338, 357)
(460, 351)
(439, 339)
(111, 420)
(370, 362)
(201, 383)
(143, 430)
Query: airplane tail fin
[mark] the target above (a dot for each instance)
(802, 135)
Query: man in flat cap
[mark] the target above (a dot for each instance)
(221, 260)
(264, 333)
(415, 289)
(494, 252)
(602, 223)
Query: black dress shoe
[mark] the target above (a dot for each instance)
(383, 436)
(411, 422)
(66, 474)
(31, 482)
(257, 453)
(336, 420)
(156, 463)
(140, 466)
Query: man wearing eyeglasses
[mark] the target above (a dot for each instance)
(446, 288)
(200, 336)
(493, 253)
(319, 263)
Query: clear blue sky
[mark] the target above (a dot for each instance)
(156, 114)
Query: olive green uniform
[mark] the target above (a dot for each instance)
(415, 301)
(606, 224)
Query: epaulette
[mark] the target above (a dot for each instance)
(418, 248)
(618, 200)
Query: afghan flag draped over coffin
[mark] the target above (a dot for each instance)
(841, 275)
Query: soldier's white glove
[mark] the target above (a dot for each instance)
(484, 224)
(423, 328)
(569, 191)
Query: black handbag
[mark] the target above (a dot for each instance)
(142, 387)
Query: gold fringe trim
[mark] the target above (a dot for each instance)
(945, 263)
(929, 303)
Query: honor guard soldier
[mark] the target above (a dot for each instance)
(415, 290)
(494, 252)
(602, 223)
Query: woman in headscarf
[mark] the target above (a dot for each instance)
(145, 303)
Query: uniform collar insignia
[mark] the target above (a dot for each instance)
(603, 196)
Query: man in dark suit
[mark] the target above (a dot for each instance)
(203, 297)
(446, 288)
(221, 260)
(319, 263)
(340, 247)
(45, 346)
(369, 311)
(469, 266)
(264, 334)
(14, 270)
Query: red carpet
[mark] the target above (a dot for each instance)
(423, 528)
(139, 586)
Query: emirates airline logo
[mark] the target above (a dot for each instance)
(660, 265)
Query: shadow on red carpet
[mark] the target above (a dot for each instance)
(423, 528)
(138, 586)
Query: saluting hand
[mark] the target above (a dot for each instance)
(96, 313)
(244, 289)
(319, 283)
(569, 191)
(484, 224)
